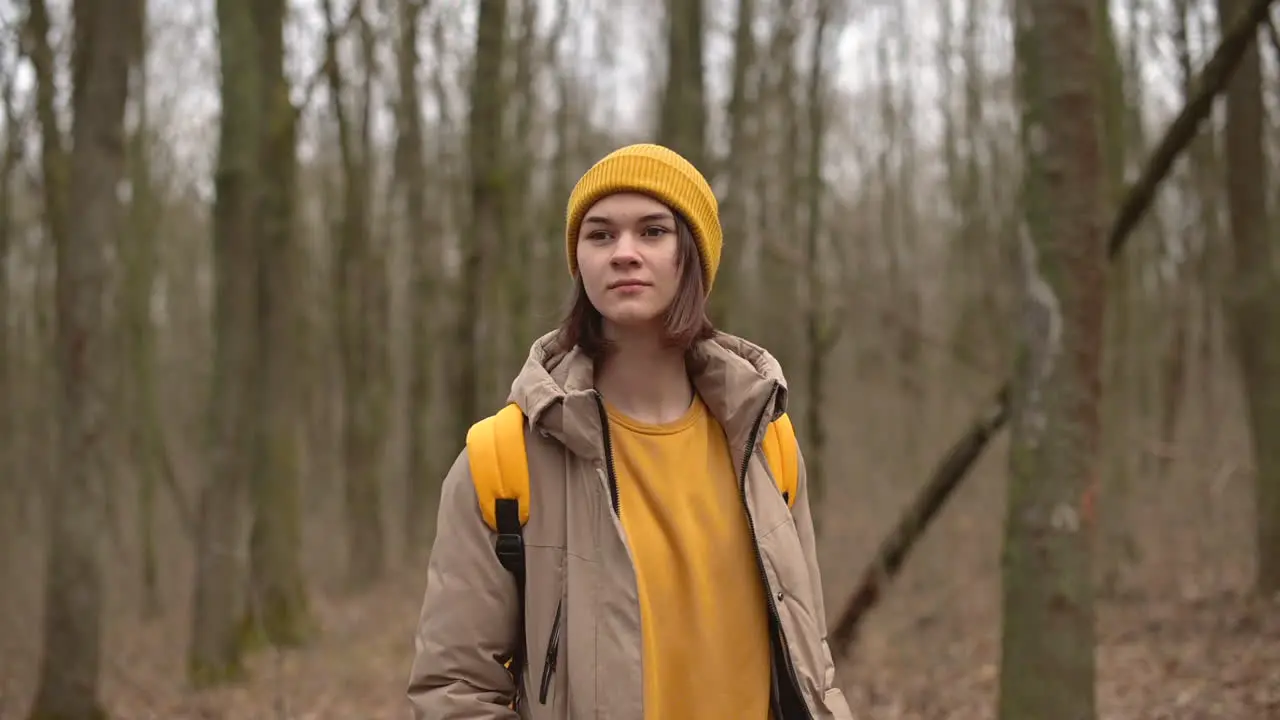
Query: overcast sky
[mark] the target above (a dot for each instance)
(183, 60)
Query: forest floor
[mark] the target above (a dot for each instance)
(1212, 658)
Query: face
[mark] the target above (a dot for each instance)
(628, 254)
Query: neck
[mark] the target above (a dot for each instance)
(645, 380)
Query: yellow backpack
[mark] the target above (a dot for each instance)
(500, 473)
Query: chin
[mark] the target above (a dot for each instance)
(627, 318)
(630, 320)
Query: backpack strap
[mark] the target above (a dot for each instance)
(500, 473)
(495, 449)
(783, 456)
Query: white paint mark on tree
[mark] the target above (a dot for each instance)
(1042, 325)
(1064, 518)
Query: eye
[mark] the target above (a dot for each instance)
(655, 231)
(598, 235)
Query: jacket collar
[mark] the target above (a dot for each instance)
(734, 377)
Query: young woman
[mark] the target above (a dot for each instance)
(665, 575)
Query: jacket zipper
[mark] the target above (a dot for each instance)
(553, 651)
(608, 455)
(755, 544)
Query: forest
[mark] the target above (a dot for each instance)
(264, 262)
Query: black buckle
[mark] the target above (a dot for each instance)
(509, 549)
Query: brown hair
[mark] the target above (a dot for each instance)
(684, 323)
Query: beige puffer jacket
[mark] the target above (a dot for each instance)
(582, 617)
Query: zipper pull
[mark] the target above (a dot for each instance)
(553, 652)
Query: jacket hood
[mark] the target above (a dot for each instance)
(737, 379)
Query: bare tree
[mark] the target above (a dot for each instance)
(410, 164)
(1117, 546)
(139, 252)
(215, 653)
(10, 159)
(278, 611)
(735, 166)
(359, 291)
(484, 159)
(821, 330)
(1254, 297)
(683, 122)
(1047, 661)
(69, 673)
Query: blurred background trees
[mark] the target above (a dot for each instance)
(263, 262)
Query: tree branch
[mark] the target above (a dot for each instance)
(319, 74)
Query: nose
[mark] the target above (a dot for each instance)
(625, 250)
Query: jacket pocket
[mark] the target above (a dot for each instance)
(553, 652)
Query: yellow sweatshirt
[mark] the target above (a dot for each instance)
(704, 617)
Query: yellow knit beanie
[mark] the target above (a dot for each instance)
(662, 174)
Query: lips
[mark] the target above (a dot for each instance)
(627, 284)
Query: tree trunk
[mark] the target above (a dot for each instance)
(1254, 295)
(68, 685)
(39, 456)
(422, 484)
(779, 132)
(215, 651)
(518, 162)
(819, 330)
(1117, 548)
(278, 612)
(725, 301)
(1047, 668)
(482, 234)
(684, 111)
(139, 253)
(360, 278)
(12, 156)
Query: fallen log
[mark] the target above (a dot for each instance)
(956, 463)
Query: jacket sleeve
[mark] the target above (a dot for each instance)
(803, 517)
(469, 619)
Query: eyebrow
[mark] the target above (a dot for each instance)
(651, 217)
